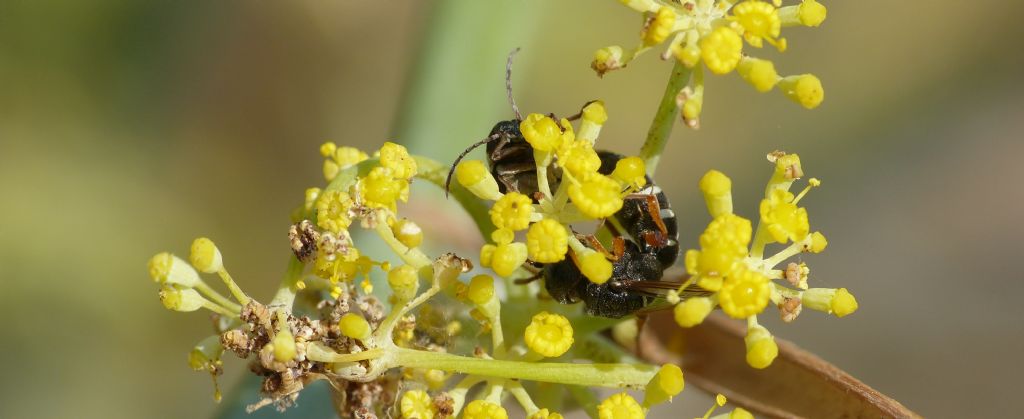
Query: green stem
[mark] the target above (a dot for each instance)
(289, 287)
(664, 118)
(592, 375)
(216, 297)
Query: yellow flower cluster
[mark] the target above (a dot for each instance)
(713, 32)
(731, 263)
(583, 193)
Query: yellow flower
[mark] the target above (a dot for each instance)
(404, 282)
(549, 334)
(744, 294)
(205, 256)
(579, 158)
(597, 196)
(607, 59)
(804, 89)
(396, 158)
(761, 347)
(808, 13)
(479, 409)
(481, 289)
(721, 50)
(381, 189)
(512, 211)
(835, 301)
(178, 298)
(354, 326)
(667, 383)
(284, 345)
(760, 21)
(693, 311)
(416, 404)
(541, 132)
(659, 26)
(717, 190)
(166, 268)
(547, 241)
(630, 171)
(783, 219)
(333, 211)
(407, 232)
(507, 257)
(759, 73)
(620, 406)
(473, 175)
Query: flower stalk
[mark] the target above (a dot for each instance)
(664, 118)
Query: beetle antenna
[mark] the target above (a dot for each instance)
(448, 180)
(508, 84)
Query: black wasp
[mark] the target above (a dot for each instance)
(638, 260)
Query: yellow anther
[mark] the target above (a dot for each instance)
(689, 54)
(284, 345)
(404, 282)
(178, 298)
(545, 414)
(205, 256)
(659, 26)
(487, 254)
(541, 132)
(397, 158)
(620, 406)
(631, 171)
(597, 196)
(547, 241)
(804, 89)
(479, 409)
(744, 294)
(166, 268)
(595, 267)
(512, 211)
(348, 156)
(843, 303)
(416, 404)
(473, 175)
(761, 347)
(717, 190)
(508, 257)
(721, 50)
(333, 211)
(354, 326)
(759, 73)
(667, 383)
(818, 242)
(549, 334)
(693, 311)
(607, 59)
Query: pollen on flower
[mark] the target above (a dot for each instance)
(417, 404)
(744, 294)
(620, 406)
(480, 409)
(547, 241)
(721, 50)
(512, 211)
(333, 211)
(549, 334)
(597, 196)
(397, 158)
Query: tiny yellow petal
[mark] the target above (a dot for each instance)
(354, 326)
(549, 334)
(620, 406)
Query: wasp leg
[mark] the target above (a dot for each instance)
(618, 246)
(655, 211)
(534, 277)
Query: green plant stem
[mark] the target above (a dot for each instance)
(592, 375)
(664, 118)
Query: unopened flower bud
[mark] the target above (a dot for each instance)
(178, 298)
(166, 268)
(205, 256)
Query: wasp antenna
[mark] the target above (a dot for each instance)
(451, 171)
(508, 84)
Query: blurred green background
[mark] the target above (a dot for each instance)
(128, 128)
